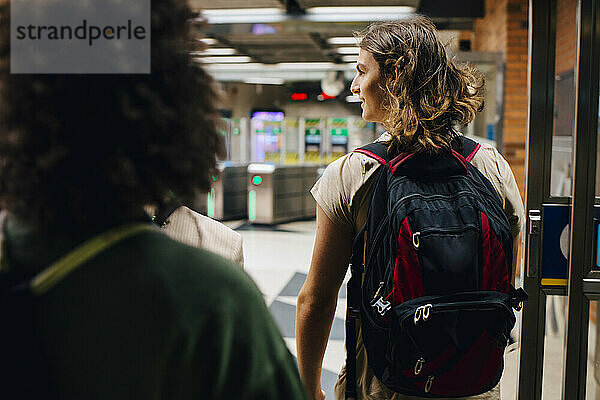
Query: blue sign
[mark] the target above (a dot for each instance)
(555, 247)
(597, 230)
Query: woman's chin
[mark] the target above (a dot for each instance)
(367, 117)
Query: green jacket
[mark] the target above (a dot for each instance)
(150, 318)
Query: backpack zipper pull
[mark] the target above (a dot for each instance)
(418, 313)
(422, 312)
(426, 309)
(415, 240)
(378, 290)
(429, 383)
(419, 365)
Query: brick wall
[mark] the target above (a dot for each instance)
(515, 88)
(504, 29)
(490, 32)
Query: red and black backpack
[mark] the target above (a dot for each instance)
(434, 258)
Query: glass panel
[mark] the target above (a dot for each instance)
(593, 366)
(564, 99)
(553, 347)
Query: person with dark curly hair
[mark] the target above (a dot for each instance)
(407, 82)
(96, 302)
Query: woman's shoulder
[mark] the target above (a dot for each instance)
(349, 171)
(336, 189)
(489, 160)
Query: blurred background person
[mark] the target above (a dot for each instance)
(194, 229)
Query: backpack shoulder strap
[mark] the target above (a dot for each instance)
(375, 150)
(378, 150)
(470, 148)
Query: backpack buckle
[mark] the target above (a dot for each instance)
(517, 298)
(381, 306)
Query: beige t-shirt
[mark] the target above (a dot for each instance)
(344, 193)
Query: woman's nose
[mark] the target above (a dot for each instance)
(354, 87)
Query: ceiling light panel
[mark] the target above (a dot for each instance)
(224, 51)
(224, 59)
(264, 81)
(208, 41)
(328, 3)
(336, 17)
(211, 4)
(235, 67)
(350, 59)
(362, 10)
(348, 50)
(357, 14)
(348, 40)
(244, 15)
(242, 11)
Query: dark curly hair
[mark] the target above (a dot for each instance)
(87, 149)
(426, 94)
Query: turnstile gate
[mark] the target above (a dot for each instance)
(280, 193)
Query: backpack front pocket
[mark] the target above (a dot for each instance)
(449, 258)
(445, 343)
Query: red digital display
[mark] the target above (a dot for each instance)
(299, 96)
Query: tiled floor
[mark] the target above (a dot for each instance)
(278, 258)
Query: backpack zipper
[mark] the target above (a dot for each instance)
(423, 312)
(452, 229)
(416, 237)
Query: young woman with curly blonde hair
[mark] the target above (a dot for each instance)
(406, 81)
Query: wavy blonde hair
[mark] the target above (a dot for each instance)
(426, 93)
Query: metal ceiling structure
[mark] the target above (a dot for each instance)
(296, 39)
